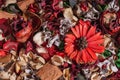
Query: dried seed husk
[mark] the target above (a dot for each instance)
(95, 76)
(17, 68)
(66, 74)
(39, 60)
(57, 60)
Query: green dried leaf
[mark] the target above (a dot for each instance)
(118, 53)
(102, 7)
(80, 77)
(13, 8)
(107, 53)
(61, 47)
(117, 62)
(66, 4)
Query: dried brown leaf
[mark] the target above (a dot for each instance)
(23, 5)
(49, 72)
(5, 59)
(6, 15)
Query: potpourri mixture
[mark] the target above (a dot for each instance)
(59, 39)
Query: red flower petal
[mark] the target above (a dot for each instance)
(77, 30)
(95, 37)
(92, 54)
(84, 56)
(75, 33)
(91, 32)
(73, 54)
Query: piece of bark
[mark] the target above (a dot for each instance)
(5, 59)
(49, 72)
(6, 15)
(23, 5)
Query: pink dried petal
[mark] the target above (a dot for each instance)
(29, 47)
(10, 45)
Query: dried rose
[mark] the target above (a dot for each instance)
(34, 8)
(110, 22)
(22, 29)
(82, 8)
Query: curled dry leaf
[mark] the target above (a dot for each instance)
(39, 59)
(57, 60)
(95, 76)
(23, 5)
(68, 14)
(36, 20)
(17, 68)
(37, 62)
(4, 75)
(13, 76)
(6, 58)
(6, 15)
(107, 39)
(66, 74)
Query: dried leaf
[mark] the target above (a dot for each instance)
(23, 5)
(49, 72)
(6, 58)
(107, 39)
(95, 76)
(6, 15)
(17, 68)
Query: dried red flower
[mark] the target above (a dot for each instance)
(34, 8)
(84, 6)
(110, 22)
(83, 43)
(24, 33)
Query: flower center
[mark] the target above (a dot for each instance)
(81, 43)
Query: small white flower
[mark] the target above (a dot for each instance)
(112, 5)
